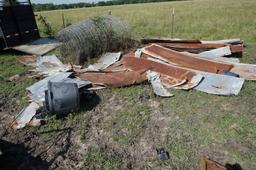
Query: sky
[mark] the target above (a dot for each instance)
(62, 1)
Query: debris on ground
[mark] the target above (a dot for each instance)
(25, 116)
(197, 46)
(206, 66)
(14, 78)
(105, 61)
(49, 65)
(38, 47)
(159, 90)
(162, 154)
(114, 79)
(208, 164)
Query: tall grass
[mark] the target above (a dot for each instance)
(204, 19)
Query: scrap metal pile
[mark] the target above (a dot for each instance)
(207, 66)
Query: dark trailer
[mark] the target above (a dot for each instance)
(17, 23)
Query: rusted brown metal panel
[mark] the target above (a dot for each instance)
(138, 64)
(188, 61)
(114, 79)
(198, 47)
(170, 75)
(237, 49)
(207, 164)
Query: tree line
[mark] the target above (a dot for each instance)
(51, 6)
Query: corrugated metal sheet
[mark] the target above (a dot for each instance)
(220, 84)
(105, 61)
(114, 79)
(177, 74)
(246, 71)
(24, 117)
(38, 47)
(158, 88)
(183, 60)
(50, 65)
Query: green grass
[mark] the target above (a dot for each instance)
(9, 67)
(99, 159)
(194, 123)
(131, 120)
(205, 19)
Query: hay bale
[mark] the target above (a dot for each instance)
(92, 37)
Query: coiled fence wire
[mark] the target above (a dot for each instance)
(92, 37)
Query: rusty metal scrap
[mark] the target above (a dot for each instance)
(186, 61)
(155, 63)
(198, 47)
(207, 164)
(175, 74)
(114, 79)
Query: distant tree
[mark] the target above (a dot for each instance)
(51, 6)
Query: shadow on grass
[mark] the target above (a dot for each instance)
(16, 156)
(11, 52)
(235, 166)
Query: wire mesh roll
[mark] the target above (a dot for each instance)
(92, 37)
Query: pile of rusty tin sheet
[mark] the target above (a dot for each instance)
(207, 66)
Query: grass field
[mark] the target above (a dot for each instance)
(124, 126)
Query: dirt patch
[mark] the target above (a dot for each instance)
(9, 107)
(133, 151)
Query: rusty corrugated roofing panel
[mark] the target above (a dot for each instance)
(176, 74)
(207, 164)
(114, 79)
(211, 55)
(184, 60)
(237, 48)
(198, 47)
